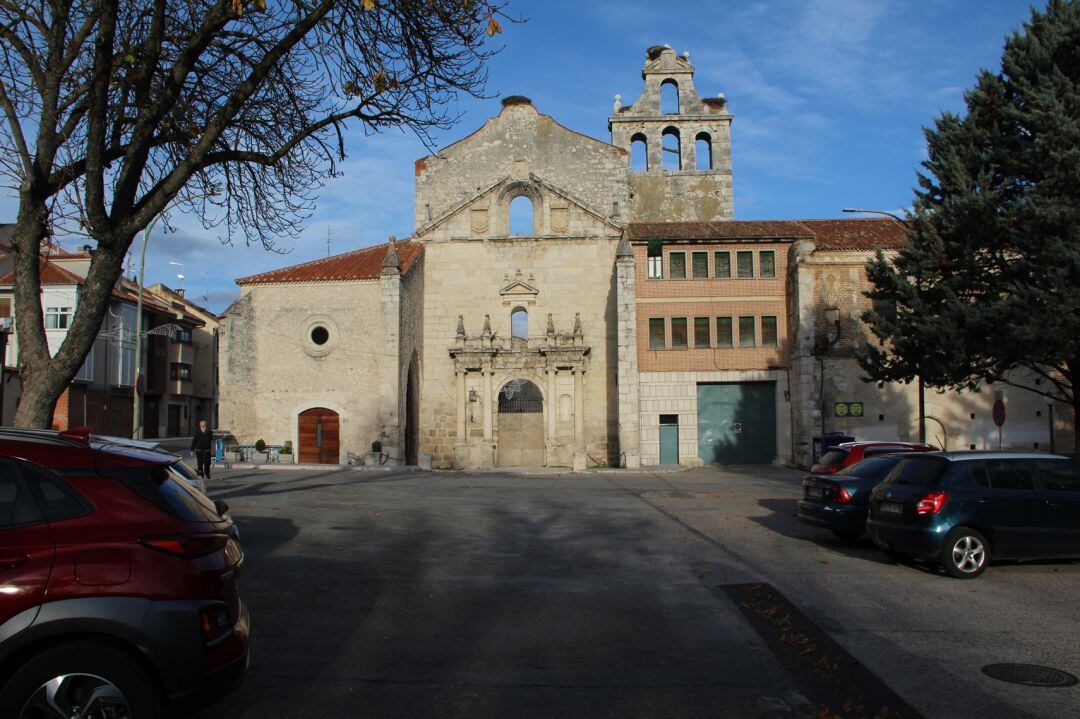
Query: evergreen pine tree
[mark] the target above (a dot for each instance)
(988, 287)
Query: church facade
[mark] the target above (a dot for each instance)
(624, 317)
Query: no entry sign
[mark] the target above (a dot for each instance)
(999, 412)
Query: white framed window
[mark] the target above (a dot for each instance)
(57, 318)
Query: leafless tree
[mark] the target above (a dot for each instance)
(232, 110)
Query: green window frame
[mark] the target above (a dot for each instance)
(701, 332)
(724, 334)
(769, 335)
(745, 263)
(678, 333)
(722, 265)
(677, 265)
(699, 265)
(767, 263)
(657, 338)
(747, 335)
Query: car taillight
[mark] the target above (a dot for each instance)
(839, 495)
(215, 621)
(931, 503)
(190, 546)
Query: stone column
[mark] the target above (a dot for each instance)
(552, 406)
(390, 361)
(488, 405)
(626, 327)
(580, 458)
(461, 407)
(805, 374)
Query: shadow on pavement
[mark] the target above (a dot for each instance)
(498, 607)
(783, 520)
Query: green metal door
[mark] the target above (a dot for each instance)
(669, 439)
(737, 423)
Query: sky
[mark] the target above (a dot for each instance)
(829, 99)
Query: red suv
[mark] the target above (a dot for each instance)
(117, 582)
(849, 453)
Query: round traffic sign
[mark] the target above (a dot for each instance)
(999, 412)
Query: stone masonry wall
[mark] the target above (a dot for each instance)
(572, 277)
(412, 333)
(272, 371)
(827, 289)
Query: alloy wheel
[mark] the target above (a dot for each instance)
(968, 554)
(77, 696)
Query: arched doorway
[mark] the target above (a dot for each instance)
(412, 414)
(318, 436)
(521, 425)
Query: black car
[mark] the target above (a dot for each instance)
(840, 501)
(961, 509)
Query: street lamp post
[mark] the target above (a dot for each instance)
(136, 421)
(922, 388)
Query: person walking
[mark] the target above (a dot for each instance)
(201, 444)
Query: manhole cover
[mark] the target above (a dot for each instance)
(1031, 675)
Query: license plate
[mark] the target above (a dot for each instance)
(814, 492)
(891, 508)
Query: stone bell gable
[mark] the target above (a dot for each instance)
(683, 140)
(576, 183)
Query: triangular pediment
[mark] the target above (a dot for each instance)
(517, 288)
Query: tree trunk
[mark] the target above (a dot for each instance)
(43, 378)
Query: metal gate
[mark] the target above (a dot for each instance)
(521, 425)
(737, 423)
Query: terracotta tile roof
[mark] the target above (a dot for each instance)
(856, 233)
(365, 264)
(728, 229)
(51, 274)
(128, 290)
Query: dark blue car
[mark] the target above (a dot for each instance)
(840, 501)
(961, 509)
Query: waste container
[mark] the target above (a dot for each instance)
(821, 445)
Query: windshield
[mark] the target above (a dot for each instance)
(918, 471)
(184, 501)
(877, 467)
(833, 456)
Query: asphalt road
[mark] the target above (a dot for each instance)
(412, 594)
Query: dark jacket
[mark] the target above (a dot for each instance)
(203, 441)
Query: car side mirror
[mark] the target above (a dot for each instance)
(221, 507)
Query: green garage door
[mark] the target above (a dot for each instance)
(737, 423)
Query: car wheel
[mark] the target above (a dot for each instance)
(965, 553)
(81, 681)
(846, 534)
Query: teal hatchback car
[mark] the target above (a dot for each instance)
(962, 509)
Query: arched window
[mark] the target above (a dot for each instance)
(669, 97)
(639, 153)
(519, 323)
(521, 216)
(703, 151)
(672, 152)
